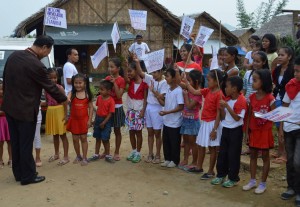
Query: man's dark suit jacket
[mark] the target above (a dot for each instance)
(24, 78)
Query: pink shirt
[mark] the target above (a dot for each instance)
(51, 101)
(192, 113)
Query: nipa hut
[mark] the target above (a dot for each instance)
(97, 17)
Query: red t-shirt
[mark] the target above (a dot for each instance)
(121, 83)
(105, 106)
(262, 106)
(211, 104)
(189, 67)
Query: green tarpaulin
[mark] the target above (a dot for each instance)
(86, 34)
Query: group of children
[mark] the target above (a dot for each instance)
(174, 104)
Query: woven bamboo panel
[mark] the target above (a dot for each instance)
(90, 10)
(152, 18)
(118, 11)
(72, 11)
(203, 22)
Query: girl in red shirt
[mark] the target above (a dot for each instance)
(259, 131)
(136, 106)
(81, 116)
(210, 130)
(118, 119)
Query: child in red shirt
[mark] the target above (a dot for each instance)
(103, 123)
(259, 131)
(210, 130)
(118, 119)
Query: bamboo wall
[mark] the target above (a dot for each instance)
(109, 11)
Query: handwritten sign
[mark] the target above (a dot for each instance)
(101, 53)
(279, 114)
(214, 63)
(138, 19)
(187, 25)
(115, 35)
(203, 35)
(154, 61)
(55, 17)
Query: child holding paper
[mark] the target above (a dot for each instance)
(154, 122)
(259, 131)
(291, 134)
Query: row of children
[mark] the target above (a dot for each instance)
(172, 104)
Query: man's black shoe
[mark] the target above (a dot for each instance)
(18, 179)
(37, 179)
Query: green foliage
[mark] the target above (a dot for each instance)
(290, 42)
(94, 90)
(264, 13)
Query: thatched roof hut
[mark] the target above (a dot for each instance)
(280, 26)
(243, 35)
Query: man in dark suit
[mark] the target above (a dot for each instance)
(24, 78)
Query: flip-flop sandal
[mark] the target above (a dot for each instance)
(9, 163)
(274, 155)
(149, 159)
(156, 160)
(63, 162)
(117, 157)
(53, 158)
(279, 160)
(39, 164)
(247, 152)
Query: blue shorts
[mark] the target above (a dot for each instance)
(277, 104)
(190, 126)
(103, 134)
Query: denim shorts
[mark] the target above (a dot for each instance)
(190, 126)
(278, 103)
(103, 134)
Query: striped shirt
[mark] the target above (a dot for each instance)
(248, 84)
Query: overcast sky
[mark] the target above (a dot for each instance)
(12, 12)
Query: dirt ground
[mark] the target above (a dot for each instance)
(127, 184)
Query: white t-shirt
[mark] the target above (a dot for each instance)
(295, 118)
(279, 81)
(69, 71)
(229, 122)
(172, 100)
(249, 57)
(161, 87)
(139, 49)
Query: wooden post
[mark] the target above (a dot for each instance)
(44, 26)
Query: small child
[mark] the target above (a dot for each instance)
(172, 118)
(4, 133)
(136, 106)
(210, 130)
(103, 122)
(191, 123)
(118, 119)
(56, 118)
(291, 134)
(232, 114)
(154, 122)
(259, 131)
(81, 115)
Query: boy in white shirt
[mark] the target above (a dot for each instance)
(172, 119)
(69, 69)
(139, 47)
(290, 131)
